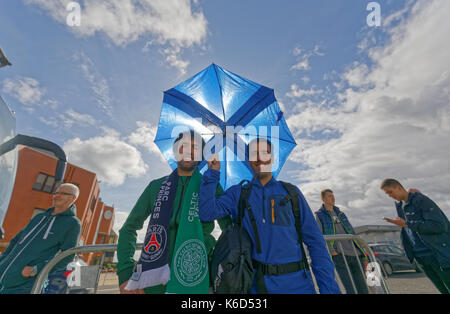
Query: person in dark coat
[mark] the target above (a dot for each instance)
(425, 232)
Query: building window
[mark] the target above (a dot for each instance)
(93, 203)
(39, 182)
(84, 227)
(49, 184)
(112, 239)
(44, 183)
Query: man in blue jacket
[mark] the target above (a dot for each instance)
(275, 225)
(333, 221)
(425, 232)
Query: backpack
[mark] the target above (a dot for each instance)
(231, 262)
(232, 267)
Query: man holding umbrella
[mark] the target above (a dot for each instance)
(174, 258)
(278, 256)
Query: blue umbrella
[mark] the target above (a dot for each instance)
(228, 111)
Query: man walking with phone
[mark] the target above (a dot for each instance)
(425, 232)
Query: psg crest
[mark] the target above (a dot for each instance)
(155, 243)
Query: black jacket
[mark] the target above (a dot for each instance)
(426, 218)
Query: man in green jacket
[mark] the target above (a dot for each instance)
(54, 230)
(171, 242)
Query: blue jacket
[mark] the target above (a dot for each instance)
(328, 227)
(426, 218)
(278, 236)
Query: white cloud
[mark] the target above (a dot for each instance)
(99, 84)
(124, 21)
(392, 121)
(144, 136)
(172, 22)
(301, 65)
(112, 159)
(296, 92)
(51, 103)
(72, 117)
(303, 57)
(119, 219)
(50, 121)
(25, 89)
(305, 79)
(68, 119)
(172, 56)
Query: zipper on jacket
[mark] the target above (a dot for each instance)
(332, 220)
(18, 254)
(334, 228)
(49, 228)
(34, 228)
(354, 241)
(264, 207)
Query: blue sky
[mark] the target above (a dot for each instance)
(353, 95)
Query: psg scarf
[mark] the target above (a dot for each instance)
(188, 270)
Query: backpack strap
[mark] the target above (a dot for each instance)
(293, 197)
(244, 204)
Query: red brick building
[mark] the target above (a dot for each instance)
(31, 195)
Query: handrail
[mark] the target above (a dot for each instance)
(37, 287)
(371, 256)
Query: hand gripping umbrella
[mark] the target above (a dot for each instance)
(228, 111)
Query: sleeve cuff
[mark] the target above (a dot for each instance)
(211, 176)
(412, 226)
(124, 275)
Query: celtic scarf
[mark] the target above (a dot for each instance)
(188, 270)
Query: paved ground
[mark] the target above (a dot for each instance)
(410, 283)
(400, 283)
(108, 284)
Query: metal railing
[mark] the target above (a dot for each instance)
(371, 259)
(43, 275)
(37, 288)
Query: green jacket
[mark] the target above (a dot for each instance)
(135, 221)
(36, 244)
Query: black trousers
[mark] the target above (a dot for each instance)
(355, 272)
(438, 276)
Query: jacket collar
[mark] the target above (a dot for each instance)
(71, 211)
(255, 181)
(335, 208)
(411, 196)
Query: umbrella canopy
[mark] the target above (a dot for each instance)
(228, 111)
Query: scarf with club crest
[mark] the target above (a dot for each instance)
(188, 270)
